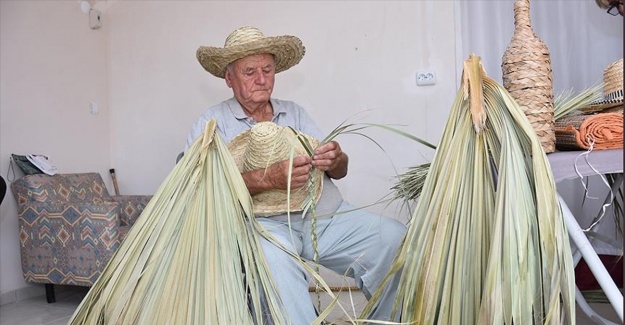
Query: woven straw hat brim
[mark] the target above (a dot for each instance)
(287, 51)
(274, 202)
(601, 106)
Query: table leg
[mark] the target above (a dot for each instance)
(597, 268)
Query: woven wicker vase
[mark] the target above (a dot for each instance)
(527, 76)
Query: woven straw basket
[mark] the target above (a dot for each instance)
(526, 68)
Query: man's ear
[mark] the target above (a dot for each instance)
(228, 79)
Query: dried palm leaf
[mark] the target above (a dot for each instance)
(613, 180)
(566, 103)
(191, 257)
(487, 243)
(409, 184)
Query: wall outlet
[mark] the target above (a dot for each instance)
(95, 19)
(426, 77)
(94, 109)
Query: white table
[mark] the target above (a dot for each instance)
(563, 165)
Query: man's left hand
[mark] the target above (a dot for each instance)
(331, 159)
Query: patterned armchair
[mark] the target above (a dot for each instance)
(69, 227)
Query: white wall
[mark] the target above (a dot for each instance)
(140, 68)
(362, 57)
(51, 66)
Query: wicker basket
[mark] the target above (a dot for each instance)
(526, 71)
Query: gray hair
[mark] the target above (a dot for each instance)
(230, 66)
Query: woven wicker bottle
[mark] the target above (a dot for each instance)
(527, 75)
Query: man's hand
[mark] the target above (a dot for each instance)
(276, 176)
(327, 157)
(278, 173)
(331, 159)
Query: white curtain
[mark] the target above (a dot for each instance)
(582, 38)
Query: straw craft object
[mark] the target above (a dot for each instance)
(287, 50)
(192, 257)
(599, 125)
(526, 67)
(613, 79)
(567, 101)
(487, 243)
(265, 144)
(612, 89)
(600, 131)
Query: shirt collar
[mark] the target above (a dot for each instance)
(239, 113)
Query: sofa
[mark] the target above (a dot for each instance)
(69, 227)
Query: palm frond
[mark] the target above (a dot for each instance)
(191, 257)
(487, 243)
(567, 102)
(409, 184)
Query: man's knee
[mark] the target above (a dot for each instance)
(393, 232)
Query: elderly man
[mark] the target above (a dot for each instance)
(348, 240)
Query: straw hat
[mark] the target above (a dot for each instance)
(287, 50)
(267, 143)
(612, 88)
(604, 4)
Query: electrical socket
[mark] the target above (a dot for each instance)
(426, 77)
(94, 109)
(95, 19)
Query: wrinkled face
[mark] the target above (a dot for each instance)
(251, 79)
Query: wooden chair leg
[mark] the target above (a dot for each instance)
(50, 293)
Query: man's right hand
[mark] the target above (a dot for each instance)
(276, 176)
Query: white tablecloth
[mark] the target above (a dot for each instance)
(605, 161)
(564, 165)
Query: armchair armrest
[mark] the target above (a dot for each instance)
(131, 207)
